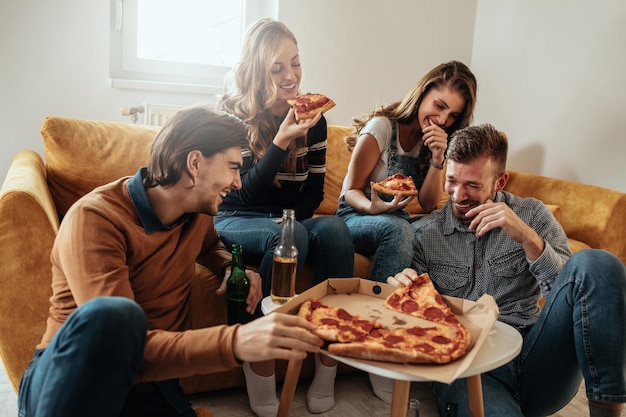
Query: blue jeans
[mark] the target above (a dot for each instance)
(321, 241)
(89, 366)
(581, 332)
(386, 238)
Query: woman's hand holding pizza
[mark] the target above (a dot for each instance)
(290, 129)
(378, 205)
(436, 139)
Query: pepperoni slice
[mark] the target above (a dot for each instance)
(376, 333)
(425, 347)
(344, 315)
(393, 339)
(439, 299)
(433, 313)
(409, 306)
(419, 331)
(442, 340)
(364, 324)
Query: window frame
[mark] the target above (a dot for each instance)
(126, 70)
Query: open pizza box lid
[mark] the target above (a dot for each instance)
(365, 298)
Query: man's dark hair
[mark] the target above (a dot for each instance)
(192, 128)
(476, 141)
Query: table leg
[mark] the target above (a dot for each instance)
(475, 392)
(400, 398)
(289, 387)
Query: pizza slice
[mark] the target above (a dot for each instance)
(336, 324)
(307, 106)
(422, 300)
(396, 184)
(437, 344)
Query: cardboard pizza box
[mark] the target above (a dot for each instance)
(365, 298)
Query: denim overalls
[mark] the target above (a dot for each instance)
(406, 165)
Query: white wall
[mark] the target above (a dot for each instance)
(367, 53)
(551, 75)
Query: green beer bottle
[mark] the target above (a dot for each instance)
(237, 288)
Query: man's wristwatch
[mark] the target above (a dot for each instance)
(436, 165)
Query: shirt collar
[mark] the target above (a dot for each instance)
(145, 212)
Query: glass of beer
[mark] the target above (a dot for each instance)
(283, 279)
(285, 261)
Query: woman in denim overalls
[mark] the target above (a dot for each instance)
(408, 137)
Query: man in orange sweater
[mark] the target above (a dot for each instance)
(117, 336)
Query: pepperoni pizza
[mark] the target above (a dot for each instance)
(396, 184)
(443, 340)
(307, 106)
(336, 324)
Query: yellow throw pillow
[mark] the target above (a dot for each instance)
(84, 154)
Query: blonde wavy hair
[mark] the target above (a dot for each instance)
(454, 74)
(250, 91)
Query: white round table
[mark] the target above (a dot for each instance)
(267, 305)
(502, 344)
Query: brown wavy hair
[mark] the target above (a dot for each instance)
(251, 92)
(453, 74)
(193, 128)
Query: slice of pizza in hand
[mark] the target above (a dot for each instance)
(336, 324)
(309, 105)
(422, 300)
(396, 184)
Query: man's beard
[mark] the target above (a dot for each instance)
(471, 205)
(207, 208)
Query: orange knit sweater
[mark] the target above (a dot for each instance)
(102, 249)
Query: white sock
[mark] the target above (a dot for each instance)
(321, 395)
(261, 392)
(383, 387)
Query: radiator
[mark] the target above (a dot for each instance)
(151, 114)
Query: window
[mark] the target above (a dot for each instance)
(179, 45)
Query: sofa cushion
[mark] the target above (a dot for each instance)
(337, 159)
(84, 154)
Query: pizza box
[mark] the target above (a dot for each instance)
(365, 298)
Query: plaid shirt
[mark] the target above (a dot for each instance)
(464, 266)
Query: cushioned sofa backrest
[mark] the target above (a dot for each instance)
(590, 214)
(84, 154)
(337, 159)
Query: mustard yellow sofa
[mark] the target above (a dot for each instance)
(82, 154)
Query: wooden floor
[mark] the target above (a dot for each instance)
(353, 397)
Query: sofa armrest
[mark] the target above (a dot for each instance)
(28, 226)
(590, 214)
